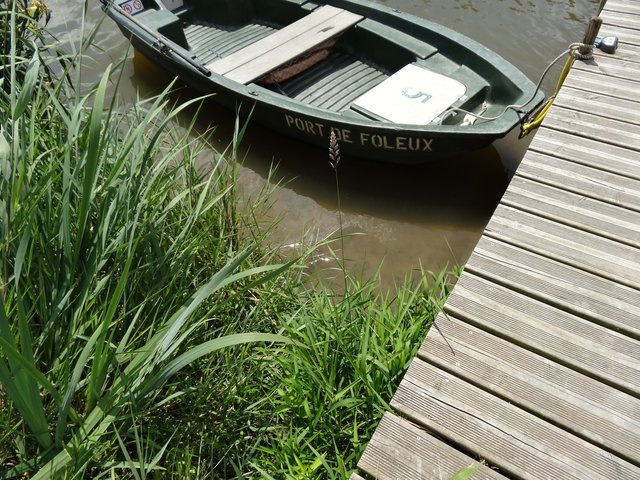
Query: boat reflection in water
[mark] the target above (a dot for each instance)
(404, 216)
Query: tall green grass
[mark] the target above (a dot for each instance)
(115, 251)
(337, 378)
(140, 334)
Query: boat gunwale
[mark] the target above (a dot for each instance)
(253, 92)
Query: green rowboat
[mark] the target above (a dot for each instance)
(391, 86)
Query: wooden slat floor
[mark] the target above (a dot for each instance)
(533, 370)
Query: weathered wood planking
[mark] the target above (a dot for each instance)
(586, 152)
(620, 19)
(590, 125)
(535, 364)
(611, 67)
(583, 406)
(261, 57)
(569, 339)
(575, 210)
(518, 443)
(624, 6)
(625, 35)
(607, 106)
(399, 449)
(607, 258)
(628, 52)
(591, 81)
(584, 180)
(564, 287)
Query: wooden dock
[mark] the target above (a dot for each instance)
(534, 369)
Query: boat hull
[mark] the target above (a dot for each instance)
(382, 141)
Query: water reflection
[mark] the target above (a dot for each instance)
(432, 214)
(429, 214)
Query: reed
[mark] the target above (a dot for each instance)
(141, 335)
(349, 354)
(334, 161)
(338, 376)
(115, 254)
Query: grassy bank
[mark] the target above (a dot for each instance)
(140, 334)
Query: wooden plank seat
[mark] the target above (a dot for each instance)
(288, 43)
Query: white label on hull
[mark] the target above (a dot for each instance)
(131, 6)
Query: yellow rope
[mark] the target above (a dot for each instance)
(528, 127)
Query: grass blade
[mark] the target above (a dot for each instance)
(28, 86)
(205, 349)
(91, 162)
(466, 473)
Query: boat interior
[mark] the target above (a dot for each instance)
(353, 51)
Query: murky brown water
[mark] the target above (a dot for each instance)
(430, 215)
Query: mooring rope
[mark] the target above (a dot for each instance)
(576, 51)
(581, 51)
(518, 107)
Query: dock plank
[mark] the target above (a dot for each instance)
(627, 52)
(607, 106)
(568, 339)
(617, 262)
(576, 210)
(586, 152)
(517, 443)
(620, 19)
(626, 35)
(624, 6)
(561, 396)
(564, 287)
(610, 66)
(583, 180)
(399, 449)
(592, 81)
(605, 130)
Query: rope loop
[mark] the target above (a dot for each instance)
(527, 125)
(576, 49)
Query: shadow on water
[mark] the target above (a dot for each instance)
(430, 214)
(452, 192)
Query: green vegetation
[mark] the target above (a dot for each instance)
(140, 334)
